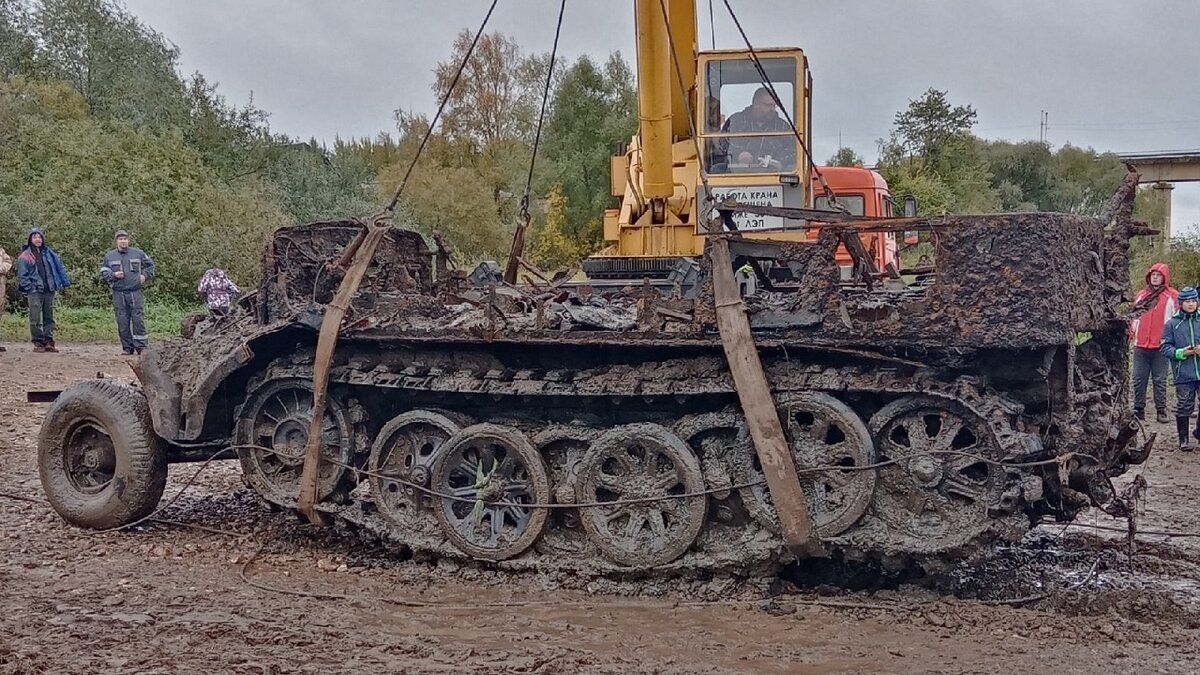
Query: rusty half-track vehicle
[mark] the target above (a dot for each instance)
(555, 426)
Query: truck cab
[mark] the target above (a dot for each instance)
(864, 193)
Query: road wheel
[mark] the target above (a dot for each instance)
(486, 473)
(100, 462)
(645, 471)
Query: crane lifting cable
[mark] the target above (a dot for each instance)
(391, 207)
(354, 260)
(766, 82)
(712, 27)
(518, 244)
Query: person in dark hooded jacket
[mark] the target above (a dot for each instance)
(1181, 344)
(40, 275)
(1157, 302)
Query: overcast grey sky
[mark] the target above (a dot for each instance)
(1114, 75)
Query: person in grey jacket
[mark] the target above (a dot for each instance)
(126, 268)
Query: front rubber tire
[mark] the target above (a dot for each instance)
(115, 417)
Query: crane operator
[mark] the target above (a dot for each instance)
(776, 152)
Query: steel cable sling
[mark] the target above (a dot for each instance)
(523, 218)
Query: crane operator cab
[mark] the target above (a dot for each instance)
(751, 153)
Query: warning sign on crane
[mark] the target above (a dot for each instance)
(754, 195)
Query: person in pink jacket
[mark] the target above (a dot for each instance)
(1160, 302)
(218, 291)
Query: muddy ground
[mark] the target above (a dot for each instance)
(167, 598)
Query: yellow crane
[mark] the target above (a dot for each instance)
(708, 127)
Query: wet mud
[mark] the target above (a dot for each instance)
(166, 598)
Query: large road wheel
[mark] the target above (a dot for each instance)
(943, 480)
(100, 462)
(402, 456)
(645, 471)
(488, 472)
(272, 436)
(822, 432)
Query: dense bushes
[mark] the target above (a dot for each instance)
(99, 132)
(82, 179)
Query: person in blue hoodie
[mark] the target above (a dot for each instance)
(1181, 346)
(40, 275)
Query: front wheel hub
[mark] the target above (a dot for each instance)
(926, 470)
(90, 458)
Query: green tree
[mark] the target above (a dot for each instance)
(551, 248)
(933, 195)
(123, 69)
(1181, 253)
(473, 171)
(594, 110)
(932, 155)
(314, 185)
(233, 141)
(1023, 173)
(18, 47)
(960, 162)
(377, 152)
(1085, 180)
(99, 132)
(1149, 207)
(440, 150)
(453, 201)
(930, 122)
(446, 191)
(1030, 176)
(498, 94)
(83, 179)
(845, 157)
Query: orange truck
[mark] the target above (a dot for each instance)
(864, 193)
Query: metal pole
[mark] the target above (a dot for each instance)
(1164, 194)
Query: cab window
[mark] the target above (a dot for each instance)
(854, 203)
(746, 130)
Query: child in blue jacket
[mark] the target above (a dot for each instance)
(1180, 345)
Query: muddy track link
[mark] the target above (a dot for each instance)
(643, 449)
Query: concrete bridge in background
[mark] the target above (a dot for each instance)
(1163, 170)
